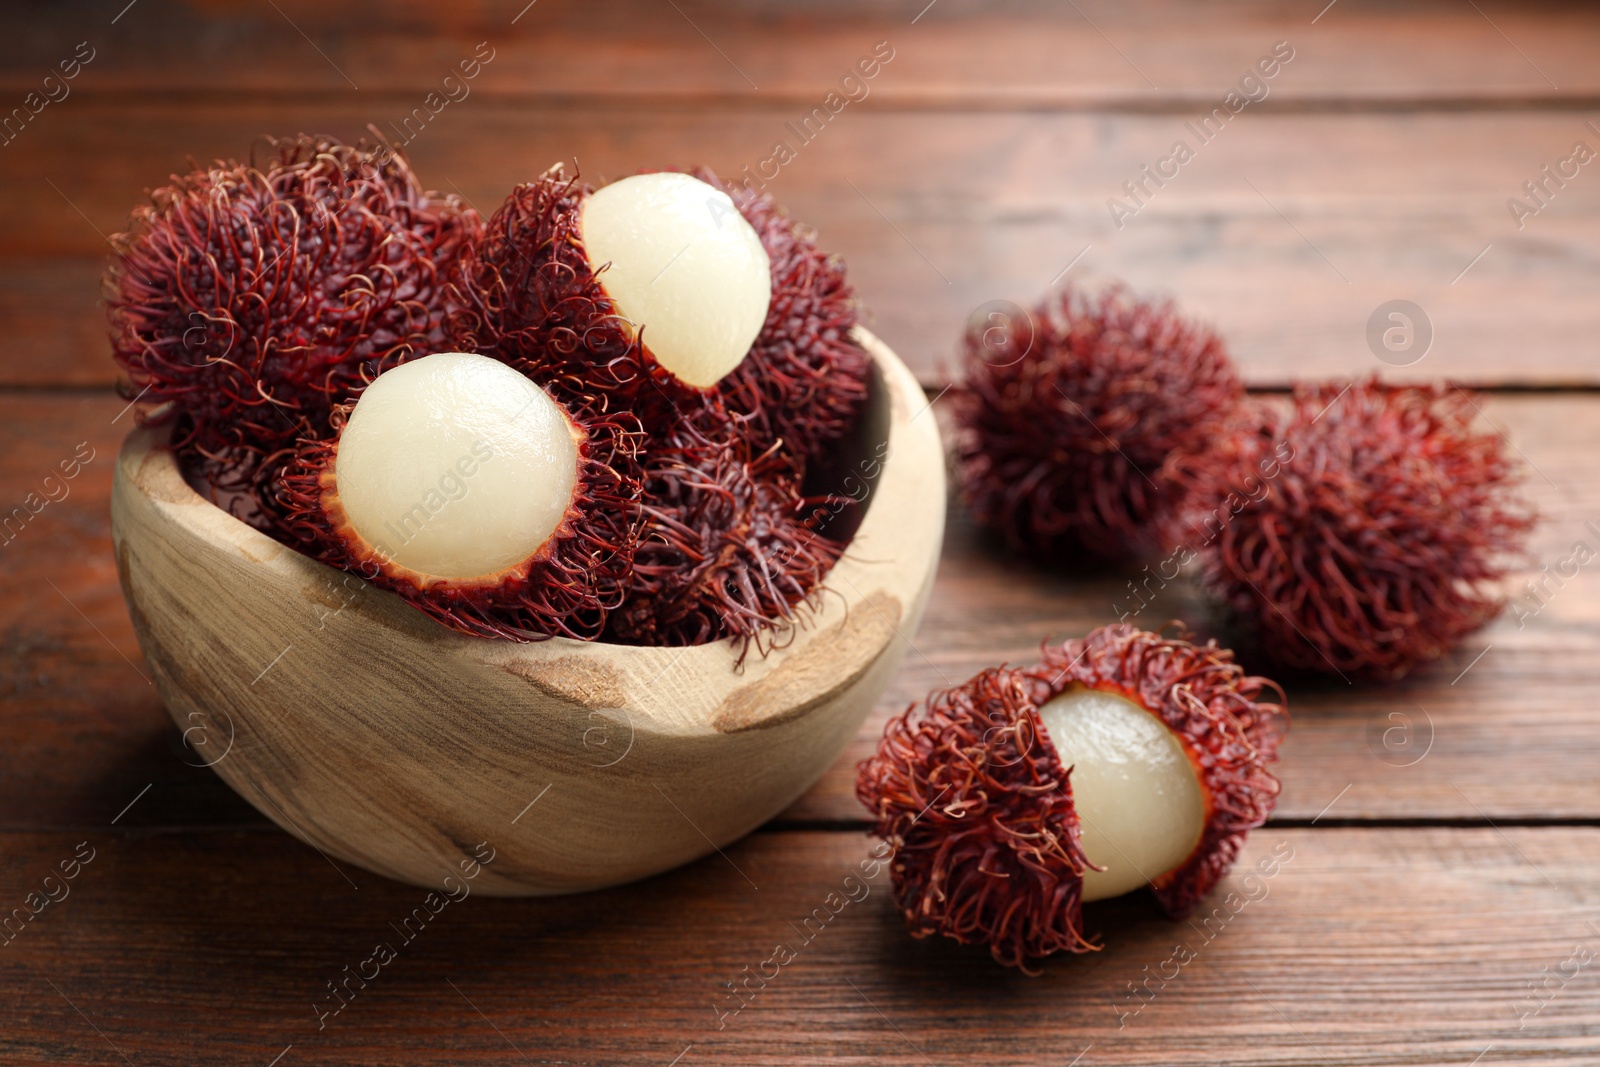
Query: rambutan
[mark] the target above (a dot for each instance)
(1120, 760)
(1365, 532)
(1067, 415)
(647, 291)
(475, 495)
(728, 547)
(247, 301)
(540, 294)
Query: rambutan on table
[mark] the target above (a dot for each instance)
(1442, 903)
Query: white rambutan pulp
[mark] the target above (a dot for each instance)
(684, 266)
(456, 466)
(1138, 798)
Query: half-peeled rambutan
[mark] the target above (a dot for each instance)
(1066, 417)
(477, 496)
(647, 291)
(1120, 760)
(1365, 532)
(246, 301)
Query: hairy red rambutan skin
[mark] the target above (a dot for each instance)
(565, 589)
(726, 548)
(804, 381)
(1067, 416)
(248, 300)
(973, 797)
(980, 816)
(1217, 711)
(1366, 532)
(236, 479)
(529, 297)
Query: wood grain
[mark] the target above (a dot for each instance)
(1514, 738)
(958, 54)
(937, 214)
(1365, 947)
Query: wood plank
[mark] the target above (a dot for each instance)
(1365, 947)
(84, 729)
(957, 53)
(938, 214)
(55, 323)
(1515, 738)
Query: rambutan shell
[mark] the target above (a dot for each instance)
(981, 819)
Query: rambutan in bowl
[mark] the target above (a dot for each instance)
(386, 740)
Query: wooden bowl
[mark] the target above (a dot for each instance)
(384, 739)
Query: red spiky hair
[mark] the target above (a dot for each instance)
(804, 381)
(1066, 416)
(1366, 532)
(728, 547)
(567, 588)
(969, 791)
(248, 300)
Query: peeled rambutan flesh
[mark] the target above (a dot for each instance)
(1365, 532)
(477, 496)
(1067, 416)
(691, 274)
(1120, 760)
(247, 301)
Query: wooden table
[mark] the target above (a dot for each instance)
(1445, 880)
